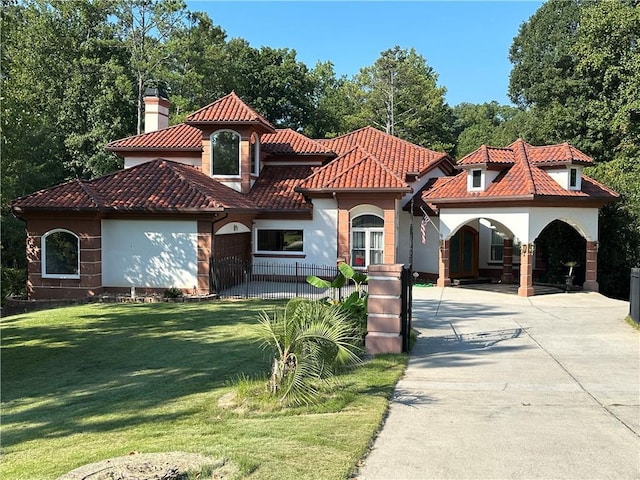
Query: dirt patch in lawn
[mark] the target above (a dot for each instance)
(153, 466)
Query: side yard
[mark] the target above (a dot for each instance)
(85, 383)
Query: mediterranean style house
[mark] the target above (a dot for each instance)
(226, 183)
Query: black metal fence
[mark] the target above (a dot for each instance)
(238, 278)
(406, 298)
(634, 296)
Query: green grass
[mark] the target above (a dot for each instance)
(85, 383)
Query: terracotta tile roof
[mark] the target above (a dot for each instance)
(400, 156)
(157, 186)
(561, 154)
(178, 137)
(355, 169)
(289, 142)
(228, 109)
(521, 178)
(275, 188)
(488, 155)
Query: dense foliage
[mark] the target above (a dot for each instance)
(73, 72)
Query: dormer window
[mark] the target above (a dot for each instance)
(476, 178)
(573, 177)
(225, 153)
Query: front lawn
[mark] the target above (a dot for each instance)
(86, 383)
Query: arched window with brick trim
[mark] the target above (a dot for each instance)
(60, 254)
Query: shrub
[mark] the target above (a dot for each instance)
(310, 341)
(172, 292)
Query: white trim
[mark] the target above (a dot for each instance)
(43, 258)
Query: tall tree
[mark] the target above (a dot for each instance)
(146, 26)
(576, 71)
(402, 97)
(487, 123)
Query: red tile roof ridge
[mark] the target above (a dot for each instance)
(520, 151)
(92, 194)
(250, 113)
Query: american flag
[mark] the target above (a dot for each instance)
(423, 228)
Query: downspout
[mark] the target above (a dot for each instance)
(411, 237)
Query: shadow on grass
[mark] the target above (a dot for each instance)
(105, 367)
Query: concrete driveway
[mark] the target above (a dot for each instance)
(503, 387)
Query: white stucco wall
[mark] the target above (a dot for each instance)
(145, 253)
(319, 235)
(425, 257)
(526, 223)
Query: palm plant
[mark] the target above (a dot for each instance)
(311, 341)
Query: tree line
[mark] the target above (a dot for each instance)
(73, 73)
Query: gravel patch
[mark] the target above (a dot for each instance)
(152, 466)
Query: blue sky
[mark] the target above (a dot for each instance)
(466, 42)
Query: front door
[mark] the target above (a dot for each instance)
(463, 260)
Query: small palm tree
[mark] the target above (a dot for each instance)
(311, 340)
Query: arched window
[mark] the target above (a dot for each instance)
(60, 254)
(225, 153)
(255, 154)
(367, 241)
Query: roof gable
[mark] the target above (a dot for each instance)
(357, 169)
(229, 109)
(399, 156)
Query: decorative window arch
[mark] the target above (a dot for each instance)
(255, 154)
(367, 240)
(60, 254)
(225, 153)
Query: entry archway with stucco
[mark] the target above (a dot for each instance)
(524, 224)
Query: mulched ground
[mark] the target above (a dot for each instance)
(152, 466)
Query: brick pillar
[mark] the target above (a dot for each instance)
(507, 260)
(344, 253)
(204, 254)
(384, 325)
(591, 269)
(526, 270)
(443, 266)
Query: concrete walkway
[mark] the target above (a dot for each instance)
(503, 387)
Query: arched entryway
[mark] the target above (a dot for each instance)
(463, 257)
(560, 249)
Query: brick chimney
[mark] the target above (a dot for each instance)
(156, 110)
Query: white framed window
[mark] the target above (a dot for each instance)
(573, 177)
(497, 248)
(255, 154)
(367, 240)
(280, 241)
(60, 254)
(476, 178)
(225, 153)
